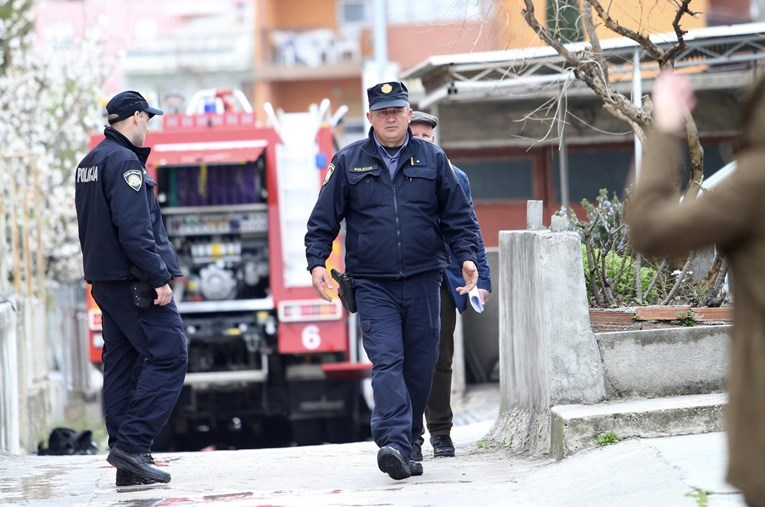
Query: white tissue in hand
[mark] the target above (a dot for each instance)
(475, 300)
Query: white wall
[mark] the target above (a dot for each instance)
(9, 394)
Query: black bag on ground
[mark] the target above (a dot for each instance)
(66, 441)
(345, 290)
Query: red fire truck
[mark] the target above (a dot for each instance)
(269, 363)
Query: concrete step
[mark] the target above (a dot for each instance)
(577, 427)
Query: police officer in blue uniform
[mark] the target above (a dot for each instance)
(438, 411)
(124, 242)
(400, 201)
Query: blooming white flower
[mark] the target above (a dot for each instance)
(50, 100)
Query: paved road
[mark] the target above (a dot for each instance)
(675, 471)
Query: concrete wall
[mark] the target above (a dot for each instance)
(548, 353)
(25, 393)
(665, 362)
(46, 379)
(34, 381)
(554, 372)
(9, 394)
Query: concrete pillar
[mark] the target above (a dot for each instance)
(534, 215)
(548, 353)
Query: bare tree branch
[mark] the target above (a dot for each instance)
(680, 279)
(659, 270)
(589, 64)
(613, 25)
(714, 295)
(674, 50)
(597, 50)
(591, 71)
(696, 152)
(529, 14)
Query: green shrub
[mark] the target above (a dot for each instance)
(605, 243)
(620, 272)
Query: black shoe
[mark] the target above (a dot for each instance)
(415, 468)
(127, 479)
(390, 461)
(442, 445)
(140, 464)
(417, 450)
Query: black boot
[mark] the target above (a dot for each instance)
(442, 445)
(140, 464)
(127, 479)
(390, 461)
(417, 449)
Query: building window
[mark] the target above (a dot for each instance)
(406, 11)
(353, 12)
(564, 20)
(499, 179)
(591, 170)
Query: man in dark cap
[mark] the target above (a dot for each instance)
(400, 200)
(128, 260)
(438, 412)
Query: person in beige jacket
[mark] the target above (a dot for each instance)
(729, 216)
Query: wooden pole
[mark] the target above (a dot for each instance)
(25, 227)
(14, 227)
(42, 324)
(21, 324)
(39, 207)
(4, 289)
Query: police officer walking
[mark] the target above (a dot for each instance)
(124, 248)
(438, 411)
(400, 200)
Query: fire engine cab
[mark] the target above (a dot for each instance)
(269, 363)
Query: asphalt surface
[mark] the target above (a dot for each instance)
(673, 471)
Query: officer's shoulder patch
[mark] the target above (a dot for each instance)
(330, 170)
(134, 178)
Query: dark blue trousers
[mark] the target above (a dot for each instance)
(400, 326)
(145, 359)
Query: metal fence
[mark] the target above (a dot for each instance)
(70, 370)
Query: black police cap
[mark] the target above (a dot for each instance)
(422, 117)
(124, 104)
(384, 95)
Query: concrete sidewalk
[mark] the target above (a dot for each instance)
(672, 471)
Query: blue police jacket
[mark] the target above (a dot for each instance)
(118, 216)
(395, 227)
(453, 274)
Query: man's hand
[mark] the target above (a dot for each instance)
(321, 281)
(484, 295)
(164, 295)
(470, 275)
(673, 99)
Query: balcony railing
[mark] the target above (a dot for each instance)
(311, 47)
